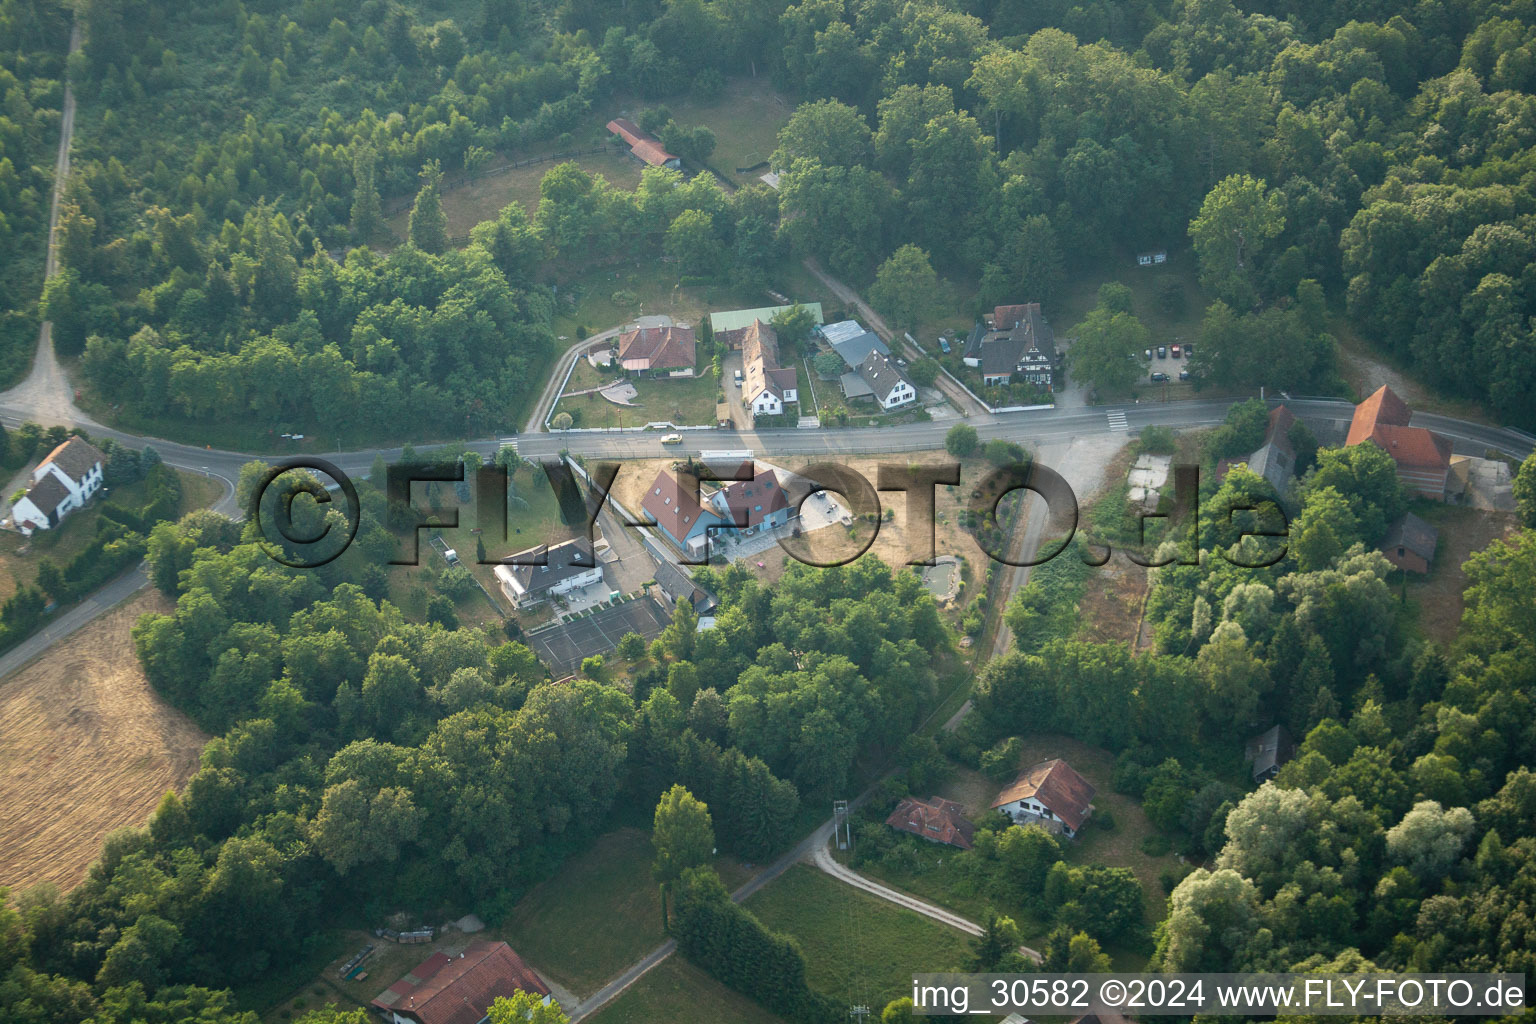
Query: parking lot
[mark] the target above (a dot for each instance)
(562, 647)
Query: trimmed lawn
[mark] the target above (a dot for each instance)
(600, 913)
(684, 401)
(857, 947)
(675, 990)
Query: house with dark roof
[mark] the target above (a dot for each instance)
(767, 386)
(645, 146)
(448, 989)
(568, 566)
(751, 505)
(1410, 544)
(887, 382)
(678, 513)
(677, 585)
(1049, 794)
(1017, 347)
(937, 820)
(1423, 457)
(67, 478)
(653, 349)
(1269, 751)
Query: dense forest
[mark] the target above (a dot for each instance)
(1382, 155)
(36, 40)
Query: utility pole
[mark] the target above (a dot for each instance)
(842, 826)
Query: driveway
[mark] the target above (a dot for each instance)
(729, 364)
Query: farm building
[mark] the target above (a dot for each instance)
(66, 479)
(730, 321)
(1049, 794)
(1423, 458)
(1410, 544)
(645, 146)
(849, 339)
(446, 989)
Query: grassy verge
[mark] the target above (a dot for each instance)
(675, 990)
(857, 948)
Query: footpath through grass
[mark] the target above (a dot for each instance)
(858, 948)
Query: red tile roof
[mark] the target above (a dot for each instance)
(459, 990)
(750, 501)
(1279, 431)
(939, 821)
(1383, 418)
(657, 348)
(1054, 784)
(1383, 407)
(671, 505)
(1006, 318)
(641, 142)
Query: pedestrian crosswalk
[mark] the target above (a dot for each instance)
(1117, 422)
(509, 442)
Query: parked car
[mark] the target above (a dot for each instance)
(1183, 375)
(1159, 378)
(1162, 351)
(1189, 349)
(738, 378)
(944, 345)
(1148, 354)
(1175, 351)
(672, 439)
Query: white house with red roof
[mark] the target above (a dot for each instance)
(1049, 794)
(752, 505)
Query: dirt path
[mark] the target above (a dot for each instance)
(86, 746)
(824, 860)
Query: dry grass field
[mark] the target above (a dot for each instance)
(86, 746)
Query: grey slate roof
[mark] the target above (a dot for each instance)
(882, 375)
(679, 586)
(567, 559)
(1415, 534)
(1270, 750)
(76, 457)
(854, 386)
(47, 493)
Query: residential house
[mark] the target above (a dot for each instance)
(569, 566)
(887, 383)
(678, 514)
(1423, 458)
(849, 339)
(448, 989)
(654, 349)
(1049, 794)
(767, 387)
(645, 146)
(1269, 751)
(937, 820)
(66, 479)
(1018, 347)
(677, 586)
(1410, 544)
(751, 505)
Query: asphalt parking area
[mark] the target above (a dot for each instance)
(562, 647)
